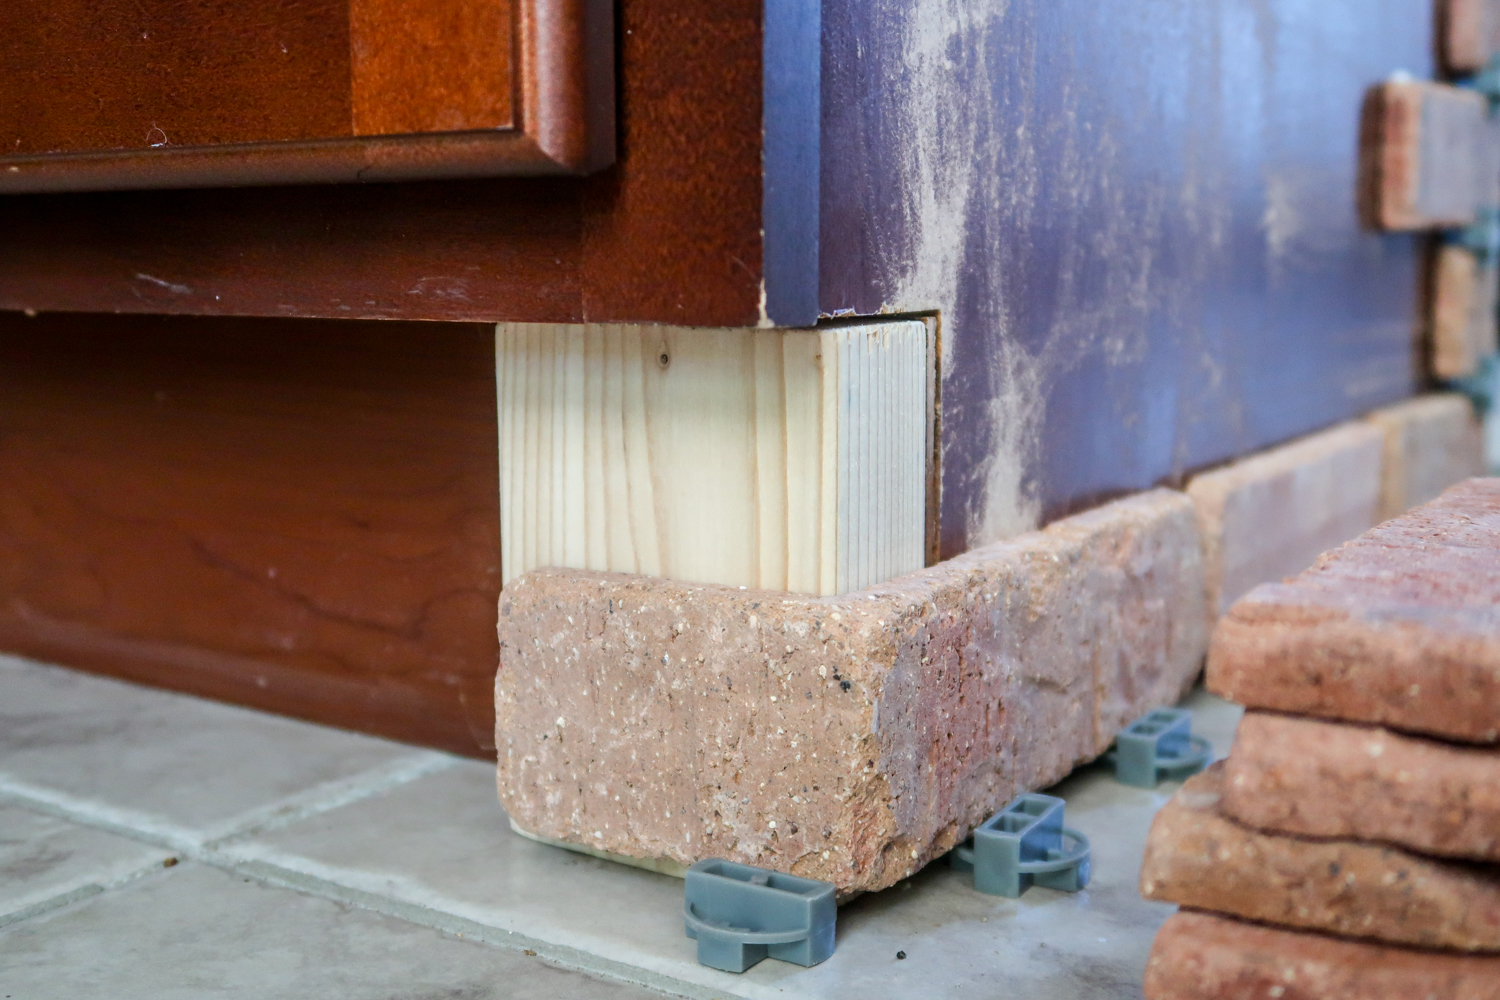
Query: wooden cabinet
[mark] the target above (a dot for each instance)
(190, 93)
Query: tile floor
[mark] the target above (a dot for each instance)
(154, 845)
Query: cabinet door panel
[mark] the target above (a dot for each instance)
(188, 93)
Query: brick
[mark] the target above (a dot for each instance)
(1330, 779)
(1464, 296)
(1469, 32)
(1431, 443)
(1398, 628)
(853, 738)
(1270, 515)
(1200, 955)
(1200, 857)
(1428, 156)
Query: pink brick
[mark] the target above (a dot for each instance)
(853, 738)
(1270, 515)
(1431, 443)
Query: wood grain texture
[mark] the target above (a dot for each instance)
(296, 516)
(782, 460)
(670, 233)
(199, 93)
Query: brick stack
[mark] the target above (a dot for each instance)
(1350, 845)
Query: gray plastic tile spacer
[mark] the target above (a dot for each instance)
(1022, 845)
(740, 914)
(1159, 745)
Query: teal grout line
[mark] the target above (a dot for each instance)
(218, 853)
(77, 894)
(52, 903)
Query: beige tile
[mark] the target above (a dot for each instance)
(141, 757)
(195, 932)
(44, 859)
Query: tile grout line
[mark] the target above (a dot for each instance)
(467, 929)
(217, 852)
(331, 795)
(78, 894)
(122, 822)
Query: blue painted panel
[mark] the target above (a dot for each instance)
(1137, 219)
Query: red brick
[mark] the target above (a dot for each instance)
(1270, 515)
(1330, 779)
(1201, 956)
(1427, 156)
(1431, 443)
(1470, 34)
(853, 738)
(1462, 324)
(1200, 857)
(1400, 627)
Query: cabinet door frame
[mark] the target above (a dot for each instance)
(565, 125)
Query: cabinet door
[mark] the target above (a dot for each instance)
(108, 94)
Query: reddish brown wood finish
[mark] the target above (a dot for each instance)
(84, 75)
(670, 233)
(297, 516)
(437, 67)
(124, 94)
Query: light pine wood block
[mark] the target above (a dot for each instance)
(792, 460)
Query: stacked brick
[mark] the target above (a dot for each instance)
(1350, 845)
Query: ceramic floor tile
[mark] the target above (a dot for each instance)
(43, 859)
(156, 758)
(442, 843)
(194, 932)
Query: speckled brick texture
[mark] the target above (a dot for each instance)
(1270, 515)
(1198, 856)
(1399, 628)
(1431, 443)
(851, 739)
(1331, 779)
(1200, 955)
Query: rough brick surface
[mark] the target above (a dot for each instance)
(1399, 628)
(1200, 955)
(1427, 156)
(1331, 779)
(1198, 856)
(1270, 515)
(850, 738)
(1463, 312)
(1431, 443)
(1470, 33)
